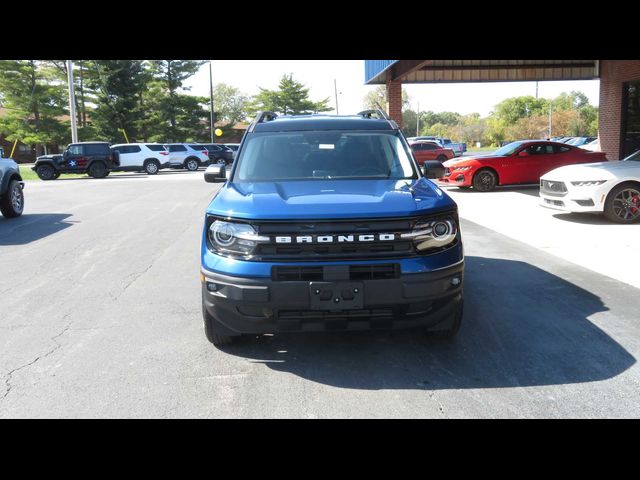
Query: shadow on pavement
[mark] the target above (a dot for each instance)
(588, 219)
(30, 227)
(522, 327)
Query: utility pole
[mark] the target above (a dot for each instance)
(335, 89)
(536, 89)
(550, 106)
(211, 94)
(72, 103)
(418, 120)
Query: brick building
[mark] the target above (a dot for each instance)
(619, 104)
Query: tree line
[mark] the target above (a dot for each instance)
(516, 118)
(128, 101)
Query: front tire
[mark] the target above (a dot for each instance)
(191, 164)
(623, 204)
(12, 203)
(46, 172)
(452, 325)
(485, 180)
(213, 337)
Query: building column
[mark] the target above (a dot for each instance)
(613, 74)
(394, 101)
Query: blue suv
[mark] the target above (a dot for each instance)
(327, 223)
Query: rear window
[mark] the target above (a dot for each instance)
(323, 155)
(156, 148)
(198, 147)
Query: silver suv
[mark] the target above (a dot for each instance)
(183, 155)
(11, 186)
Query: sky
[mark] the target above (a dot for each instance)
(319, 76)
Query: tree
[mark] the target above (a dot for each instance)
(513, 109)
(229, 104)
(176, 116)
(377, 98)
(34, 102)
(291, 98)
(119, 86)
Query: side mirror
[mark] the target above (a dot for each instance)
(214, 173)
(235, 154)
(433, 169)
(523, 153)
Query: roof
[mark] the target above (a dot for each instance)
(379, 72)
(322, 122)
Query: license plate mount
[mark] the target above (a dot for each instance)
(336, 295)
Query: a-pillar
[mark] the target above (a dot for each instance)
(394, 101)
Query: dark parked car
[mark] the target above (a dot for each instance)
(11, 186)
(94, 158)
(219, 153)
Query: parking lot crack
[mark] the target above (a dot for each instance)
(9, 375)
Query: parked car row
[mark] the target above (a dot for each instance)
(98, 159)
(571, 179)
(457, 148)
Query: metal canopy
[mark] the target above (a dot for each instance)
(460, 71)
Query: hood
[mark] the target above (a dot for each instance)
(470, 158)
(594, 171)
(51, 156)
(329, 199)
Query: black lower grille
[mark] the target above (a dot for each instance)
(356, 273)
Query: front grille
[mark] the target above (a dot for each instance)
(558, 189)
(330, 250)
(356, 273)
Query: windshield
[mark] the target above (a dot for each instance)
(633, 157)
(325, 155)
(508, 149)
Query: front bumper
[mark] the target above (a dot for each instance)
(577, 199)
(242, 305)
(457, 178)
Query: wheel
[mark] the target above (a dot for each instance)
(623, 204)
(485, 180)
(212, 336)
(151, 167)
(98, 170)
(12, 203)
(46, 172)
(451, 326)
(56, 176)
(441, 158)
(191, 164)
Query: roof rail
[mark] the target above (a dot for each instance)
(262, 116)
(378, 111)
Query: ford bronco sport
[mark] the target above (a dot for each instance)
(327, 223)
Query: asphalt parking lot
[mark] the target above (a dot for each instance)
(100, 318)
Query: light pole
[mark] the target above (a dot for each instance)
(335, 89)
(72, 103)
(211, 94)
(418, 120)
(550, 107)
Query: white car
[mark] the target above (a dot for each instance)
(612, 188)
(183, 155)
(593, 146)
(149, 157)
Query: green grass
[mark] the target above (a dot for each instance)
(27, 174)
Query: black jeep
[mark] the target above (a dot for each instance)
(94, 158)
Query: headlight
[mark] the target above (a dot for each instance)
(462, 169)
(234, 238)
(590, 183)
(432, 234)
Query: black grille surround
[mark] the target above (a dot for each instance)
(552, 188)
(397, 248)
(381, 271)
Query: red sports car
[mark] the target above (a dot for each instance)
(516, 163)
(428, 150)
